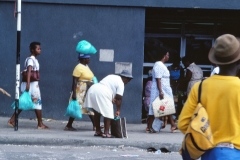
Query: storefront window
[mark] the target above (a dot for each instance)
(198, 49)
(170, 44)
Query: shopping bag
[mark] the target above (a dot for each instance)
(25, 102)
(118, 127)
(85, 47)
(74, 110)
(163, 107)
(157, 124)
(94, 79)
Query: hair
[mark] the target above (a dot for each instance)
(187, 59)
(162, 52)
(176, 59)
(33, 45)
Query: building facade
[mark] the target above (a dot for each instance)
(119, 30)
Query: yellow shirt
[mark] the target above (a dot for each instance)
(83, 72)
(221, 98)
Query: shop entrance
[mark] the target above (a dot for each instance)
(185, 32)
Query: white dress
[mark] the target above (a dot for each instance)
(160, 71)
(100, 95)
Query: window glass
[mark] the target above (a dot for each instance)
(198, 49)
(171, 44)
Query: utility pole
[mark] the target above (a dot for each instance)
(18, 13)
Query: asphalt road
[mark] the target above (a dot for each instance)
(29, 152)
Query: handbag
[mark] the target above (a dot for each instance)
(198, 137)
(35, 76)
(118, 127)
(163, 107)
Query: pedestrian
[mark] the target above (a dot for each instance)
(193, 72)
(81, 81)
(101, 97)
(176, 75)
(160, 87)
(32, 64)
(146, 101)
(220, 97)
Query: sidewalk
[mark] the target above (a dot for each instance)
(29, 135)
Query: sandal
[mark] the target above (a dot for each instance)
(163, 126)
(70, 129)
(98, 134)
(43, 127)
(174, 129)
(147, 130)
(10, 124)
(107, 136)
(152, 130)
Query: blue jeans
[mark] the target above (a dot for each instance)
(221, 153)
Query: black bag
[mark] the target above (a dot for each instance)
(118, 127)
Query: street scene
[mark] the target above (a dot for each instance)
(145, 79)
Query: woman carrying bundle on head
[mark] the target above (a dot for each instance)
(82, 80)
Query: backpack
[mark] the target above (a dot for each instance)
(198, 137)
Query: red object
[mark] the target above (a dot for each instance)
(162, 108)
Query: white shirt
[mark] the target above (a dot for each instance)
(32, 61)
(114, 83)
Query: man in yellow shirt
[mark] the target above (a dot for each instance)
(221, 98)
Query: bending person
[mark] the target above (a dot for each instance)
(102, 96)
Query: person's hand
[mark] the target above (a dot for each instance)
(117, 113)
(114, 101)
(27, 88)
(74, 97)
(161, 95)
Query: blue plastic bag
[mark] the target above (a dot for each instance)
(94, 79)
(25, 102)
(85, 47)
(74, 110)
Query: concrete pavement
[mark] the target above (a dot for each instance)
(28, 134)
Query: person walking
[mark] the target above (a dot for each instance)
(160, 87)
(81, 82)
(220, 97)
(32, 64)
(101, 97)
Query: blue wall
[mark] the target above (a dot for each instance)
(54, 25)
(198, 4)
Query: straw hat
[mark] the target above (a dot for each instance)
(226, 50)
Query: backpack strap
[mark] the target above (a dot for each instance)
(34, 65)
(199, 91)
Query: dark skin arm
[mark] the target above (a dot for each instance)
(74, 86)
(118, 101)
(188, 76)
(159, 85)
(29, 69)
